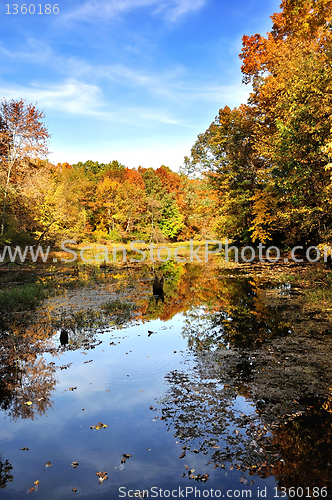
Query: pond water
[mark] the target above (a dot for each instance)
(214, 384)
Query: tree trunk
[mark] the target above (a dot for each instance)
(5, 199)
(109, 221)
(151, 228)
(128, 223)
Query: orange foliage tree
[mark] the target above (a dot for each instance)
(23, 135)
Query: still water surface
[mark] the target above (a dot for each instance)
(221, 388)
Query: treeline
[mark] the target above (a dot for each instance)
(99, 202)
(269, 160)
(263, 170)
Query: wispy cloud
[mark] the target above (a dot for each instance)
(73, 97)
(77, 98)
(175, 85)
(172, 10)
(31, 51)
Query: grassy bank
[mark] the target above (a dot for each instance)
(26, 296)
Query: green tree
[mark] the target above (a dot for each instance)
(224, 152)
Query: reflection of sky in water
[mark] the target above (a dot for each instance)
(117, 388)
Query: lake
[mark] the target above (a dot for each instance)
(213, 383)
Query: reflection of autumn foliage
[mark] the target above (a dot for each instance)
(288, 434)
(253, 314)
(305, 446)
(5, 473)
(205, 417)
(25, 377)
(232, 310)
(201, 409)
(185, 287)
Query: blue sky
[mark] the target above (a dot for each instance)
(128, 80)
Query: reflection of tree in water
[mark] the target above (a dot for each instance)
(25, 376)
(158, 289)
(295, 447)
(243, 311)
(241, 350)
(305, 444)
(248, 313)
(206, 419)
(27, 380)
(5, 473)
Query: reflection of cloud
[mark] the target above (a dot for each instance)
(72, 97)
(172, 10)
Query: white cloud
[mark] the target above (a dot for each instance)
(33, 51)
(71, 97)
(172, 10)
(179, 8)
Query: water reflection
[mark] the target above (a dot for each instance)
(26, 379)
(158, 289)
(257, 399)
(27, 376)
(63, 337)
(5, 473)
(251, 395)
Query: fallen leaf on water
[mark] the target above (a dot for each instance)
(28, 403)
(243, 480)
(72, 388)
(183, 454)
(124, 458)
(24, 448)
(48, 464)
(100, 425)
(33, 488)
(74, 464)
(74, 490)
(102, 476)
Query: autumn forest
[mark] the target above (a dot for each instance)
(260, 173)
(99, 359)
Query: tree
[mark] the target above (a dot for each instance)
(224, 152)
(291, 73)
(22, 136)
